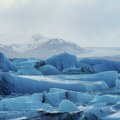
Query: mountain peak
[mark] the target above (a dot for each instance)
(56, 41)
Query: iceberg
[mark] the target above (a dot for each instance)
(26, 67)
(79, 98)
(101, 65)
(117, 84)
(22, 84)
(5, 86)
(96, 111)
(38, 64)
(67, 106)
(25, 102)
(109, 77)
(55, 98)
(76, 97)
(117, 106)
(54, 90)
(22, 106)
(24, 62)
(115, 116)
(6, 64)
(48, 70)
(62, 61)
(28, 71)
(81, 70)
(109, 99)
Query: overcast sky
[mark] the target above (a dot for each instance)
(86, 22)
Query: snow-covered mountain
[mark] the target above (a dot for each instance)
(41, 47)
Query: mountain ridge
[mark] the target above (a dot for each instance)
(42, 49)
